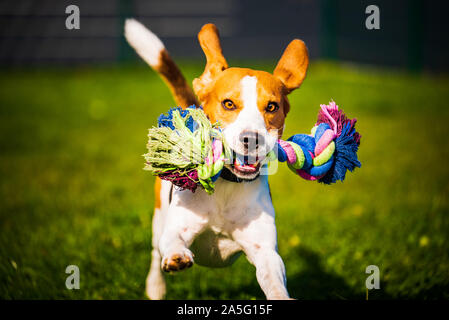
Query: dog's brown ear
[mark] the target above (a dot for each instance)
(216, 63)
(292, 67)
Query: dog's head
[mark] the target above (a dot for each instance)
(250, 105)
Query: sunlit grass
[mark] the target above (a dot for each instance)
(73, 191)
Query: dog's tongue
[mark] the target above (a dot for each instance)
(244, 166)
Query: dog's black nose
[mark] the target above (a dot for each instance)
(251, 140)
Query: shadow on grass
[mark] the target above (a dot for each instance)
(314, 283)
(311, 283)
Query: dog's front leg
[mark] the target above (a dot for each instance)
(181, 227)
(258, 241)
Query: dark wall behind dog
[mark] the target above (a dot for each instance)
(413, 34)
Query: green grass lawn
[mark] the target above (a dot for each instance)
(72, 188)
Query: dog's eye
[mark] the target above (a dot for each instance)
(272, 107)
(228, 104)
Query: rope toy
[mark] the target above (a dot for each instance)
(189, 151)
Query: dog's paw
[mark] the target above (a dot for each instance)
(177, 261)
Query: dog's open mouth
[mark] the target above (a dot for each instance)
(243, 165)
(245, 168)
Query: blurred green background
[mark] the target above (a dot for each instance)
(72, 188)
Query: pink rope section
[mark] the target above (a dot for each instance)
(327, 137)
(326, 109)
(307, 176)
(289, 151)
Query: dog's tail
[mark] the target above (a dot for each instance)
(151, 49)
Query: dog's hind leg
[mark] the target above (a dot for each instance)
(155, 283)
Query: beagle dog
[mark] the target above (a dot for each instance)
(251, 106)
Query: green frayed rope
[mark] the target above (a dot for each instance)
(182, 150)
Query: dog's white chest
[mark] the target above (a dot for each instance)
(231, 206)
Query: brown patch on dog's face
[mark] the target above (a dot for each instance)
(270, 92)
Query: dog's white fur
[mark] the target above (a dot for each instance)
(238, 217)
(145, 42)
